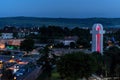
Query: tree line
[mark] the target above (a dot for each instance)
(54, 32)
(81, 65)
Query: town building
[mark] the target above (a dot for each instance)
(6, 35)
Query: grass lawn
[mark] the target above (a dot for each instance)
(43, 76)
(55, 75)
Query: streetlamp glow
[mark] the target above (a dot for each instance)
(13, 56)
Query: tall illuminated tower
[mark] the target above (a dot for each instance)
(97, 38)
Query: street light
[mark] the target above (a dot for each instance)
(1, 61)
(13, 56)
(15, 78)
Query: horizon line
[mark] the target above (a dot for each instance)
(57, 17)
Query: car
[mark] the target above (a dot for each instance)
(20, 72)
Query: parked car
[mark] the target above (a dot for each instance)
(20, 72)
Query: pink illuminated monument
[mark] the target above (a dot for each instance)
(97, 38)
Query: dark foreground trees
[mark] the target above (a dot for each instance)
(76, 65)
(7, 75)
(112, 60)
(45, 61)
(27, 44)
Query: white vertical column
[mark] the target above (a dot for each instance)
(94, 33)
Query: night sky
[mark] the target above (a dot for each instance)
(60, 8)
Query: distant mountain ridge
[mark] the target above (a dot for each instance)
(62, 22)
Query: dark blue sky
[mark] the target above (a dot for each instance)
(60, 8)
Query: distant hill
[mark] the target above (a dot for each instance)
(63, 22)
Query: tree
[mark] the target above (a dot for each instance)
(112, 56)
(101, 67)
(50, 33)
(117, 70)
(85, 43)
(45, 60)
(72, 45)
(7, 75)
(66, 31)
(27, 45)
(59, 45)
(76, 65)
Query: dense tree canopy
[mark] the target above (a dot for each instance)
(7, 75)
(27, 44)
(76, 65)
(112, 59)
(56, 32)
(100, 63)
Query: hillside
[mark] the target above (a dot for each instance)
(63, 22)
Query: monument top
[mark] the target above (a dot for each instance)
(97, 26)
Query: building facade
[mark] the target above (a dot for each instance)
(7, 35)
